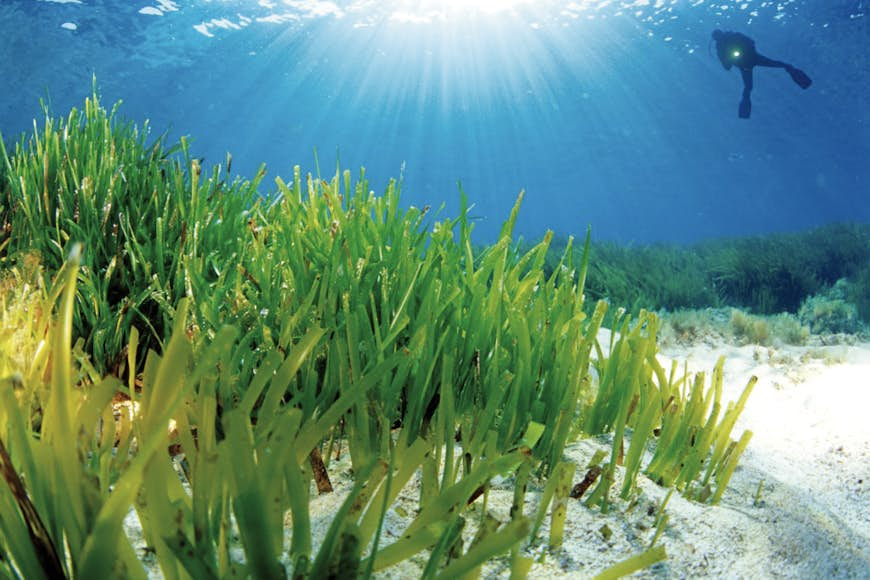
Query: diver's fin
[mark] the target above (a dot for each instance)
(800, 77)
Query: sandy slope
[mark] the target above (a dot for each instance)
(811, 448)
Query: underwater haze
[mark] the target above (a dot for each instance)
(609, 113)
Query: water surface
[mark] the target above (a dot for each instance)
(607, 112)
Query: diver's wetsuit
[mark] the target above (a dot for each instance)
(735, 49)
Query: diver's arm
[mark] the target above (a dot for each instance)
(722, 53)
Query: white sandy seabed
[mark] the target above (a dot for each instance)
(810, 456)
(810, 453)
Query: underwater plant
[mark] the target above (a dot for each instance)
(760, 274)
(749, 328)
(859, 294)
(830, 312)
(654, 277)
(692, 325)
(789, 329)
(320, 322)
(720, 325)
(154, 230)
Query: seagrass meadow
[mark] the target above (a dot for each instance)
(198, 350)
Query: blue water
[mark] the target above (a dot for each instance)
(607, 112)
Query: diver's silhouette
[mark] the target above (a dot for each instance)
(735, 49)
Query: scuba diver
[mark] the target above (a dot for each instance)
(737, 49)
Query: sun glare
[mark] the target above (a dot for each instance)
(461, 6)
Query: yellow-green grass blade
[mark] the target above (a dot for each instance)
(633, 564)
(502, 541)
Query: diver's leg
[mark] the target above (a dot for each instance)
(797, 75)
(761, 60)
(745, 107)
